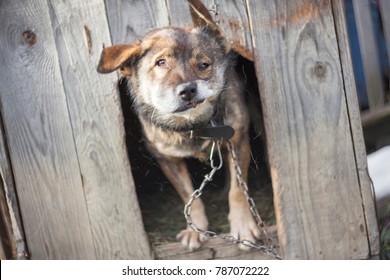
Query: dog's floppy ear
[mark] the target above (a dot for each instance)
(118, 56)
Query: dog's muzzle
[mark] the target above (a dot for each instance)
(188, 92)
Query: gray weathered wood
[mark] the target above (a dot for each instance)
(369, 52)
(97, 122)
(7, 241)
(356, 127)
(130, 20)
(313, 168)
(40, 138)
(179, 13)
(215, 249)
(9, 204)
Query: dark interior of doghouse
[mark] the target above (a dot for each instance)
(161, 207)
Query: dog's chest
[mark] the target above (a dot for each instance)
(187, 148)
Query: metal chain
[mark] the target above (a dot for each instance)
(267, 248)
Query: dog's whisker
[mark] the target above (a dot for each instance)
(135, 102)
(151, 117)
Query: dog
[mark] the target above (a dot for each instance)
(180, 80)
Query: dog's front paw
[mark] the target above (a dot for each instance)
(243, 227)
(191, 239)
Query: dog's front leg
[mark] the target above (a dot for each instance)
(175, 169)
(242, 224)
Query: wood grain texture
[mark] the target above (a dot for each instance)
(369, 52)
(9, 204)
(213, 249)
(97, 122)
(41, 144)
(179, 13)
(313, 168)
(7, 241)
(131, 20)
(356, 128)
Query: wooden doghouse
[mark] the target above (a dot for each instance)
(67, 189)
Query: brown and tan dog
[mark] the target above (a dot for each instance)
(181, 80)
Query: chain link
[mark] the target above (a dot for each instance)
(267, 247)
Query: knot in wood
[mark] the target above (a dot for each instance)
(320, 69)
(30, 37)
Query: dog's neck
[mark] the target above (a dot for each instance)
(213, 129)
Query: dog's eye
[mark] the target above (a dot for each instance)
(203, 65)
(161, 62)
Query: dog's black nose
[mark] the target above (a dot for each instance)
(187, 91)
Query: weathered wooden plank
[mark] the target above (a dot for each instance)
(232, 17)
(97, 122)
(313, 168)
(41, 144)
(356, 127)
(213, 249)
(7, 242)
(130, 20)
(384, 6)
(179, 13)
(369, 52)
(12, 226)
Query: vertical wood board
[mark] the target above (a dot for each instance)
(97, 122)
(131, 20)
(7, 242)
(179, 13)
(41, 144)
(356, 128)
(9, 204)
(313, 168)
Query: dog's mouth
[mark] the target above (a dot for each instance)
(189, 105)
(193, 104)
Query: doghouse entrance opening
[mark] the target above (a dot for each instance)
(161, 207)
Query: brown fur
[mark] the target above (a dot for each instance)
(180, 80)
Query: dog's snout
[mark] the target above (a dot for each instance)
(187, 91)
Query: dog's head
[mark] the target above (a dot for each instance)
(175, 75)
